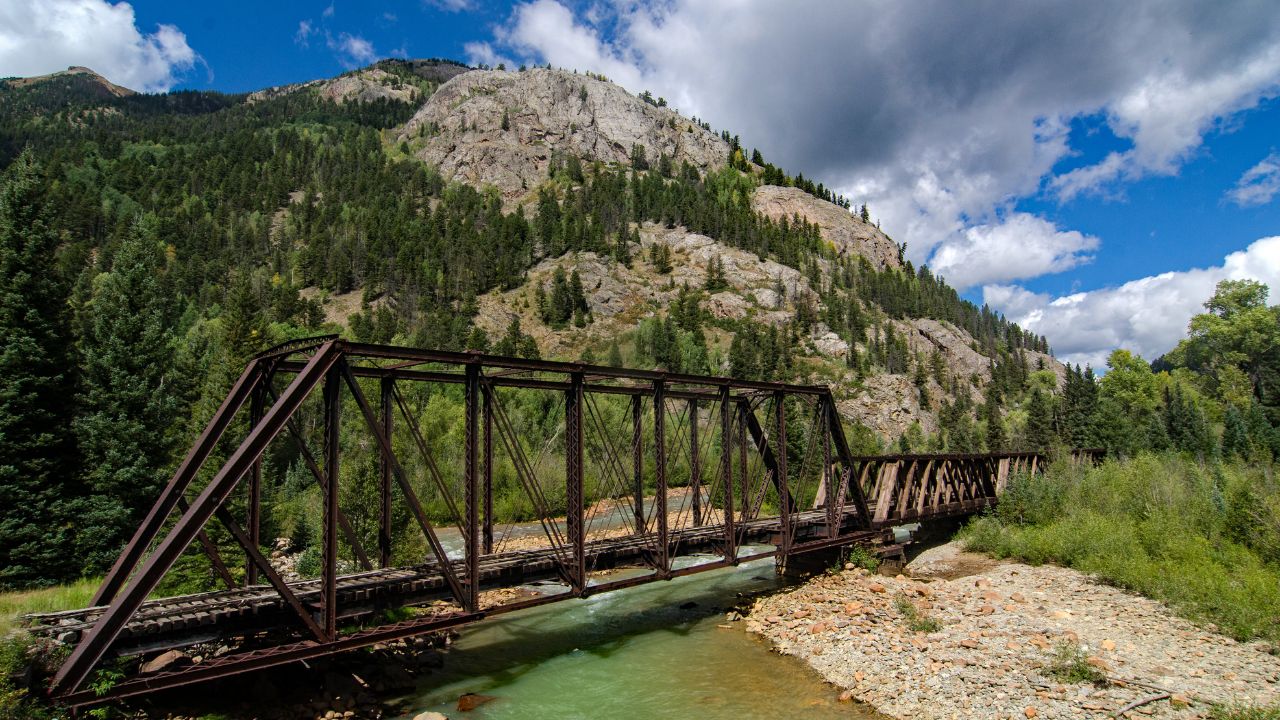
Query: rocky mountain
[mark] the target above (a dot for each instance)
(845, 231)
(498, 128)
(81, 81)
(495, 195)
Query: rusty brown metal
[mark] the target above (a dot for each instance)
(334, 610)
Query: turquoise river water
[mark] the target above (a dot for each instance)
(633, 653)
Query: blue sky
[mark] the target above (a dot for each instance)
(1089, 168)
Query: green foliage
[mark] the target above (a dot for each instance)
(130, 400)
(16, 701)
(1070, 665)
(916, 620)
(1244, 712)
(37, 451)
(1204, 539)
(862, 557)
(1039, 434)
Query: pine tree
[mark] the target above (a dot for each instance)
(997, 438)
(129, 393)
(36, 446)
(1235, 435)
(615, 355)
(1039, 433)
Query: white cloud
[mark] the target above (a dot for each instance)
(451, 5)
(43, 36)
(352, 50)
(328, 11)
(305, 30)
(483, 53)
(1258, 184)
(1147, 316)
(1019, 246)
(937, 114)
(1167, 116)
(548, 30)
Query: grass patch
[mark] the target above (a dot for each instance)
(52, 599)
(1071, 665)
(916, 620)
(863, 558)
(1244, 712)
(1201, 538)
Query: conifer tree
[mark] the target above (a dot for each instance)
(1039, 433)
(36, 447)
(1235, 435)
(129, 399)
(997, 438)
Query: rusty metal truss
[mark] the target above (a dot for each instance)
(663, 474)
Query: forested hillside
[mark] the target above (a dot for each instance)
(151, 244)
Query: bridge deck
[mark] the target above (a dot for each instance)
(185, 620)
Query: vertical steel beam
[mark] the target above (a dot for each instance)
(743, 479)
(256, 403)
(780, 460)
(637, 460)
(471, 488)
(660, 475)
(726, 474)
(833, 494)
(574, 521)
(836, 431)
(486, 408)
(387, 406)
(695, 463)
(332, 440)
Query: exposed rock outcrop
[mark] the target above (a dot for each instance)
(545, 112)
(847, 233)
(368, 85)
(619, 296)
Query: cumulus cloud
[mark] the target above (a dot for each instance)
(547, 30)
(43, 36)
(938, 114)
(1258, 184)
(1020, 246)
(1147, 316)
(352, 50)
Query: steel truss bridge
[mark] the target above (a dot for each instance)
(661, 473)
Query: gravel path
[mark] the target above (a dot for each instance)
(1001, 624)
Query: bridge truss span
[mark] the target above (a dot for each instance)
(455, 486)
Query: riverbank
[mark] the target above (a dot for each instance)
(960, 635)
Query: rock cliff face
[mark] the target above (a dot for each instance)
(847, 233)
(545, 112)
(620, 296)
(367, 86)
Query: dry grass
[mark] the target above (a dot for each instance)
(52, 599)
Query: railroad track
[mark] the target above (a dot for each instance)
(188, 619)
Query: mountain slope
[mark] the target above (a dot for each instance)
(491, 127)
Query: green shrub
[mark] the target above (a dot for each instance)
(20, 658)
(916, 621)
(1070, 665)
(1244, 712)
(1200, 538)
(863, 558)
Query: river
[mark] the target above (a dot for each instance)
(633, 653)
